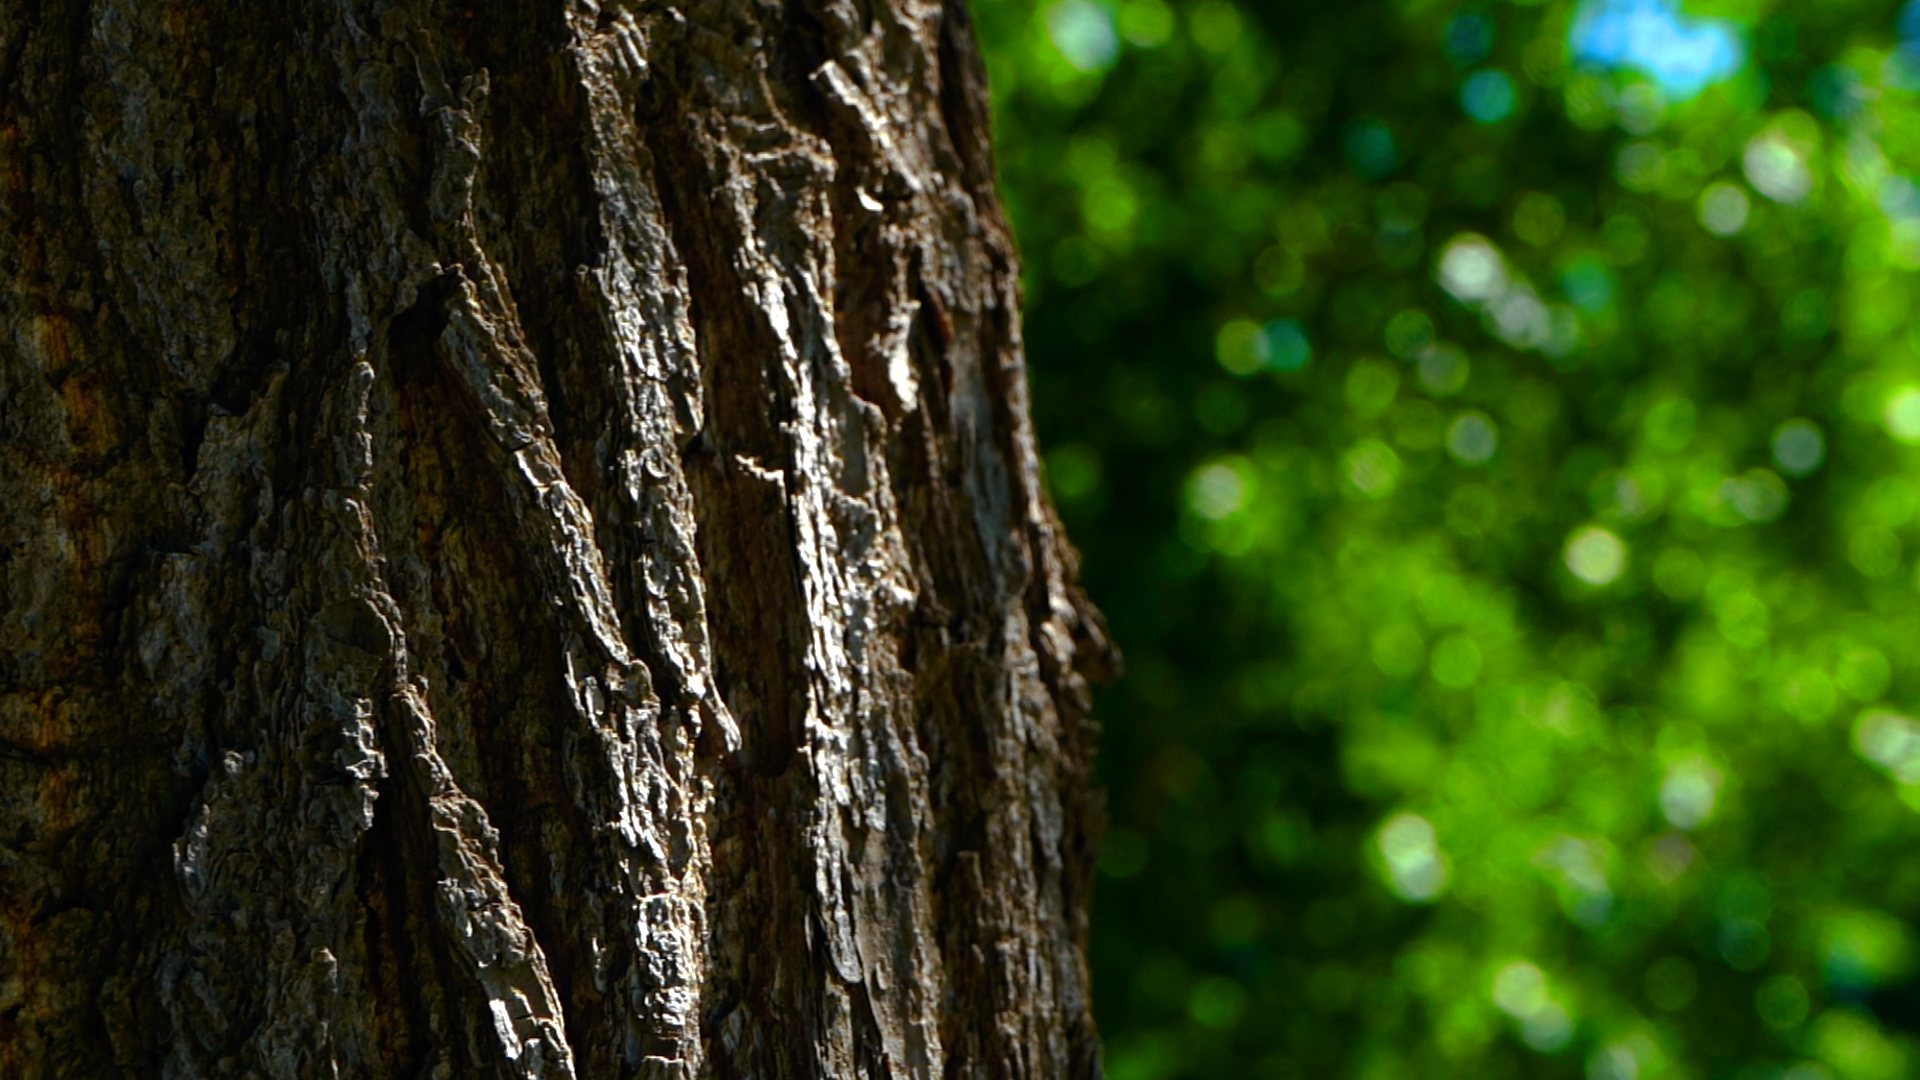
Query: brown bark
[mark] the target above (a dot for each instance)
(521, 551)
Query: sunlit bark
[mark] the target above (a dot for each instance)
(523, 552)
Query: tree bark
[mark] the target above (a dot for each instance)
(523, 551)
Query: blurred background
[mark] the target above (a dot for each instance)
(1493, 431)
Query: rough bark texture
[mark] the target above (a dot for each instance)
(521, 551)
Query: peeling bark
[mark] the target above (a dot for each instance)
(522, 554)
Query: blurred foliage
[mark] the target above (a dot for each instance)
(1493, 430)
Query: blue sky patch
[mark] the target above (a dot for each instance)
(1681, 53)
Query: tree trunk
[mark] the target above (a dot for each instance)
(523, 551)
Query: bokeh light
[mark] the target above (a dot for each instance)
(1489, 428)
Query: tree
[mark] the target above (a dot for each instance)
(524, 552)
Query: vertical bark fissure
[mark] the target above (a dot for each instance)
(740, 468)
(489, 697)
(496, 698)
(396, 991)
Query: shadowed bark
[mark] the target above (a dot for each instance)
(522, 552)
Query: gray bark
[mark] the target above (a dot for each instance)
(521, 551)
